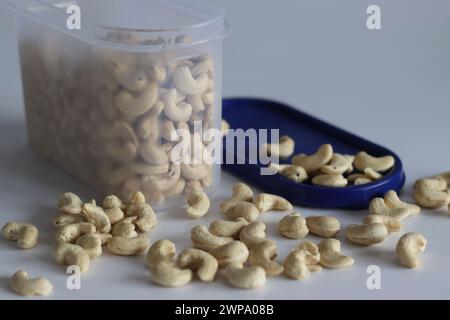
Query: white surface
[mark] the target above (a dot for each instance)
(391, 86)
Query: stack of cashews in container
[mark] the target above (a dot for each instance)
(327, 168)
(111, 118)
(236, 247)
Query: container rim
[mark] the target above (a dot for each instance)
(90, 31)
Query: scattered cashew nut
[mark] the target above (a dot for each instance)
(431, 192)
(162, 267)
(245, 277)
(69, 203)
(224, 228)
(293, 226)
(235, 252)
(203, 263)
(242, 191)
(253, 233)
(267, 202)
(263, 255)
(199, 204)
(323, 226)
(25, 286)
(367, 234)
(302, 261)
(128, 246)
(330, 254)
(71, 254)
(202, 239)
(408, 248)
(25, 234)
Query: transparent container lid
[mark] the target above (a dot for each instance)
(148, 19)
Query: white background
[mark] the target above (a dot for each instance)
(390, 86)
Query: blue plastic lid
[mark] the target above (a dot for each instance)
(309, 133)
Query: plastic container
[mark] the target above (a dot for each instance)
(309, 133)
(102, 102)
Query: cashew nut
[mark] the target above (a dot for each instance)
(176, 112)
(160, 249)
(71, 254)
(223, 228)
(378, 206)
(202, 239)
(330, 180)
(293, 226)
(125, 229)
(242, 191)
(316, 161)
(253, 234)
(339, 164)
(196, 102)
(187, 84)
(129, 77)
(96, 216)
(330, 255)
(392, 224)
(200, 261)
(268, 202)
(295, 173)
(66, 219)
(367, 234)
(224, 127)
(205, 65)
(25, 286)
(199, 204)
(132, 105)
(148, 127)
(372, 174)
(235, 252)
(263, 255)
(302, 261)
(146, 217)
(168, 131)
(393, 201)
(431, 192)
(363, 161)
(163, 182)
(69, 203)
(284, 149)
(25, 234)
(241, 209)
(112, 202)
(409, 247)
(91, 244)
(245, 277)
(128, 246)
(157, 73)
(114, 215)
(193, 172)
(163, 269)
(323, 226)
(71, 232)
(153, 153)
(137, 197)
(361, 181)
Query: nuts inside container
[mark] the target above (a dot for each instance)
(111, 118)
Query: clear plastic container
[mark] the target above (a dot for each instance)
(103, 102)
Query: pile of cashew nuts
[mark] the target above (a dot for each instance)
(110, 117)
(235, 247)
(327, 168)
